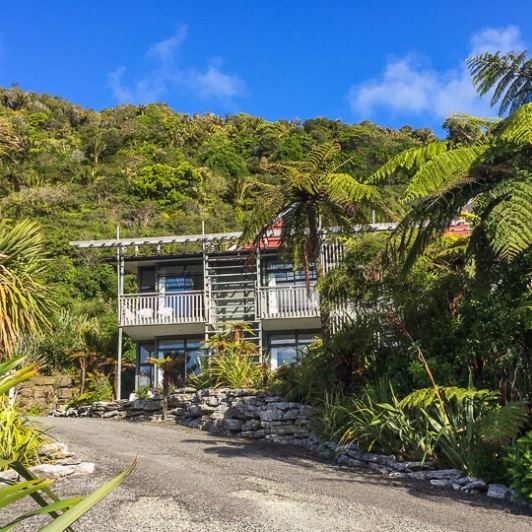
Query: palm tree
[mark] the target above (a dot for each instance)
(313, 194)
(24, 299)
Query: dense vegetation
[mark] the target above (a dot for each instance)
(436, 361)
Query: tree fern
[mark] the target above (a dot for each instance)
(518, 126)
(510, 75)
(509, 224)
(446, 168)
(427, 396)
(414, 157)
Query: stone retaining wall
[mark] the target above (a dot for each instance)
(237, 413)
(45, 393)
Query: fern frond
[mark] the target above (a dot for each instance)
(441, 170)
(320, 154)
(427, 396)
(509, 223)
(510, 75)
(408, 159)
(503, 425)
(518, 126)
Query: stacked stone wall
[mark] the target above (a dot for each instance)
(236, 413)
(45, 394)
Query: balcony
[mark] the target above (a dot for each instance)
(161, 309)
(282, 302)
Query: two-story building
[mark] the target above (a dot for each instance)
(189, 286)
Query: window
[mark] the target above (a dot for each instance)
(287, 293)
(186, 351)
(278, 274)
(145, 370)
(285, 348)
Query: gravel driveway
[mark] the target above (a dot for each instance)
(187, 480)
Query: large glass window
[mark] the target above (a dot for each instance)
(186, 352)
(285, 348)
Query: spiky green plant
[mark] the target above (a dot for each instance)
(234, 358)
(23, 296)
(19, 441)
(63, 512)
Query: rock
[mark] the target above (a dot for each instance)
(374, 466)
(444, 474)
(54, 451)
(497, 491)
(475, 485)
(418, 475)
(440, 482)
(398, 474)
(9, 475)
(83, 468)
(51, 471)
(233, 424)
(252, 424)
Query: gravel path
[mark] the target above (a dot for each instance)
(189, 481)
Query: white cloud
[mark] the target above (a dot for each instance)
(166, 75)
(409, 87)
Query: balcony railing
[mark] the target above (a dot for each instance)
(157, 308)
(288, 302)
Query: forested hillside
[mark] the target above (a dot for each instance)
(151, 171)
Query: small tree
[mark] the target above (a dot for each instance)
(167, 365)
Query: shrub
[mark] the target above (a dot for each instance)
(144, 392)
(519, 462)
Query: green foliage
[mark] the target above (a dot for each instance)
(34, 411)
(71, 509)
(143, 392)
(169, 186)
(314, 193)
(234, 370)
(519, 462)
(377, 421)
(233, 360)
(18, 440)
(510, 74)
(23, 296)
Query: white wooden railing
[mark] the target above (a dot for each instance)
(157, 308)
(288, 302)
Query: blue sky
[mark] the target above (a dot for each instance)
(391, 62)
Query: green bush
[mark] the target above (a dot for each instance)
(519, 462)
